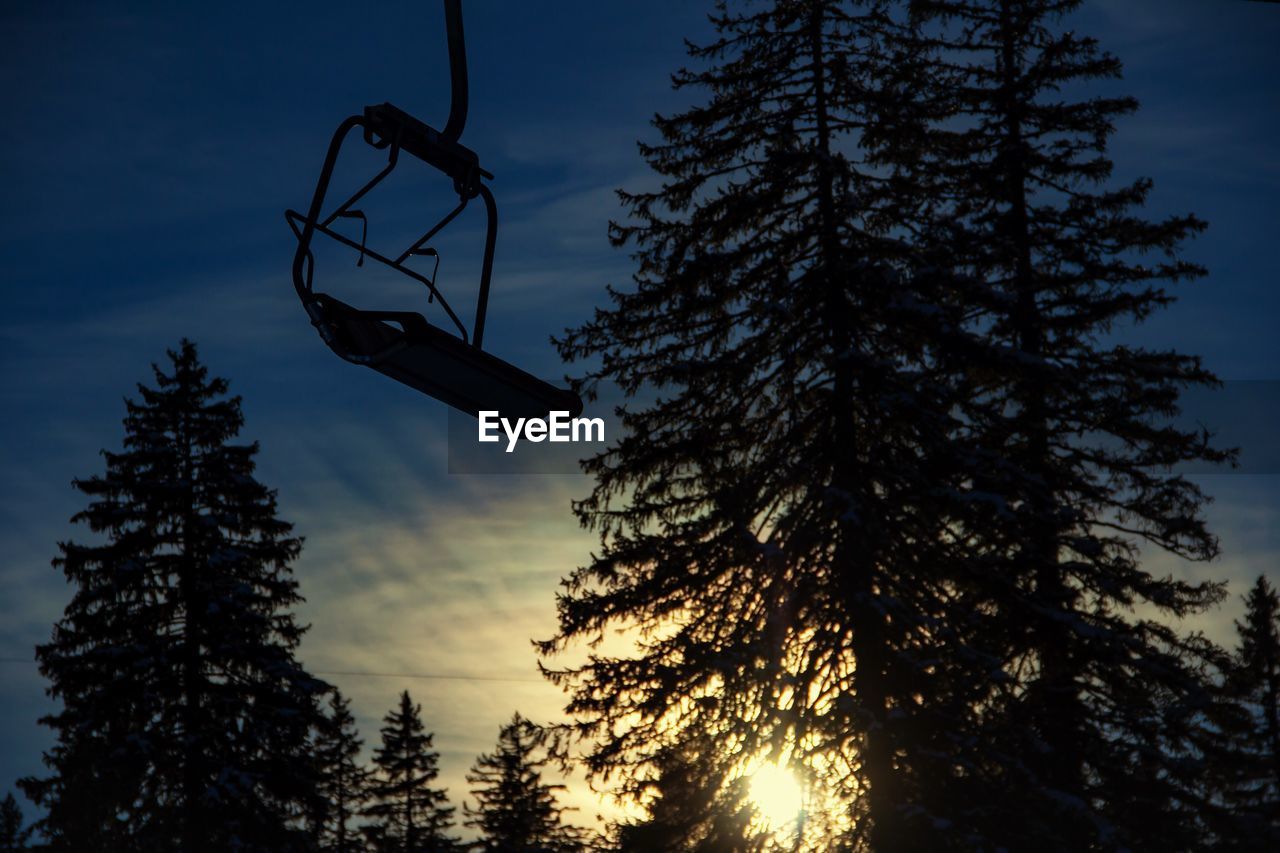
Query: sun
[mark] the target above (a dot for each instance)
(777, 795)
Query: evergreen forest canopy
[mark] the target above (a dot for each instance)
(186, 721)
(885, 532)
(887, 523)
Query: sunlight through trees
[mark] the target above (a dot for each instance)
(777, 796)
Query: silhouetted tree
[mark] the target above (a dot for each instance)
(887, 506)
(1246, 756)
(13, 837)
(184, 716)
(689, 811)
(343, 783)
(409, 816)
(776, 527)
(515, 809)
(1069, 429)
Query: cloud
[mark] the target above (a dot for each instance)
(407, 579)
(407, 573)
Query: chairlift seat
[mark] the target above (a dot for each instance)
(437, 363)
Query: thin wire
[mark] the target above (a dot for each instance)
(425, 676)
(431, 676)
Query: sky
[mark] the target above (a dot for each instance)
(148, 154)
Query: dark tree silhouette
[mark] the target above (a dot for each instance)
(776, 527)
(1256, 680)
(343, 782)
(687, 810)
(13, 837)
(184, 715)
(886, 511)
(1068, 428)
(515, 809)
(408, 815)
(1246, 753)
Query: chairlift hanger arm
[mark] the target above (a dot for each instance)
(386, 123)
(458, 97)
(486, 270)
(301, 281)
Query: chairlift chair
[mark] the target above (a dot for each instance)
(403, 344)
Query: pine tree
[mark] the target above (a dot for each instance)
(1069, 429)
(776, 527)
(515, 810)
(1247, 755)
(12, 835)
(184, 713)
(408, 815)
(687, 810)
(343, 783)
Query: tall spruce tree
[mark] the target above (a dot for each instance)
(515, 809)
(688, 811)
(13, 837)
(343, 783)
(184, 714)
(1247, 754)
(1069, 428)
(776, 530)
(408, 815)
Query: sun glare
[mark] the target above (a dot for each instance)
(777, 795)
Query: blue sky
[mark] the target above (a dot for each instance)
(150, 150)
